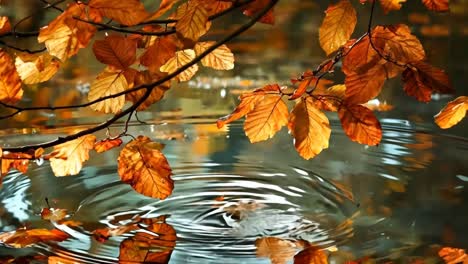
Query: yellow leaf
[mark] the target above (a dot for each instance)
(220, 59)
(126, 12)
(35, 68)
(22, 238)
(310, 128)
(337, 27)
(193, 20)
(108, 83)
(452, 113)
(390, 5)
(268, 116)
(144, 167)
(10, 82)
(61, 42)
(278, 250)
(68, 158)
(329, 99)
(180, 59)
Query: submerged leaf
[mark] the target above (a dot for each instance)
(22, 238)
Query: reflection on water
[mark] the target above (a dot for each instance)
(387, 202)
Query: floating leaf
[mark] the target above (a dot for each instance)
(22, 238)
(220, 59)
(144, 167)
(158, 53)
(128, 12)
(360, 124)
(255, 7)
(278, 250)
(107, 144)
(5, 26)
(311, 255)
(193, 20)
(116, 50)
(68, 158)
(53, 214)
(452, 113)
(10, 82)
(180, 59)
(391, 5)
(36, 68)
(157, 93)
(437, 5)
(337, 26)
(310, 128)
(108, 83)
(103, 234)
(453, 255)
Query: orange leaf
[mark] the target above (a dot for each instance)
(16, 164)
(142, 165)
(24, 238)
(311, 255)
(452, 113)
(63, 260)
(10, 82)
(278, 250)
(330, 99)
(437, 5)
(391, 5)
(181, 58)
(216, 6)
(116, 50)
(108, 83)
(35, 68)
(156, 94)
(255, 7)
(193, 20)
(103, 234)
(158, 53)
(5, 26)
(128, 12)
(220, 59)
(53, 214)
(337, 26)
(68, 158)
(361, 88)
(453, 255)
(107, 144)
(307, 79)
(421, 79)
(360, 124)
(362, 57)
(310, 128)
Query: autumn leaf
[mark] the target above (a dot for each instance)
(164, 6)
(255, 7)
(216, 6)
(63, 260)
(452, 113)
(337, 26)
(193, 20)
(220, 59)
(36, 68)
(329, 99)
(437, 5)
(128, 12)
(16, 164)
(103, 234)
(108, 83)
(307, 79)
(361, 88)
(10, 82)
(142, 165)
(311, 255)
(360, 124)
(362, 57)
(53, 214)
(5, 26)
(116, 50)
(180, 59)
(156, 94)
(453, 255)
(158, 53)
(421, 79)
(391, 5)
(22, 238)
(107, 144)
(68, 158)
(310, 128)
(279, 251)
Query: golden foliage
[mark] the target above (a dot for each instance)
(220, 59)
(107, 144)
(68, 158)
(36, 68)
(452, 113)
(108, 83)
(193, 20)
(128, 12)
(180, 59)
(158, 53)
(10, 82)
(22, 238)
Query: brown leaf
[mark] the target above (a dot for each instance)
(107, 144)
(10, 82)
(181, 58)
(308, 79)
(437, 5)
(157, 93)
(278, 250)
(337, 26)
(311, 255)
(452, 113)
(36, 68)
(220, 59)
(116, 50)
(5, 26)
(53, 214)
(453, 255)
(142, 165)
(128, 12)
(391, 5)
(193, 20)
(108, 83)
(421, 79)
(361, 88)
(216, 6)
(360, 124)
(22, 238)
(158, 53)
(310, 128)
(68, 158)
(255, 7)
